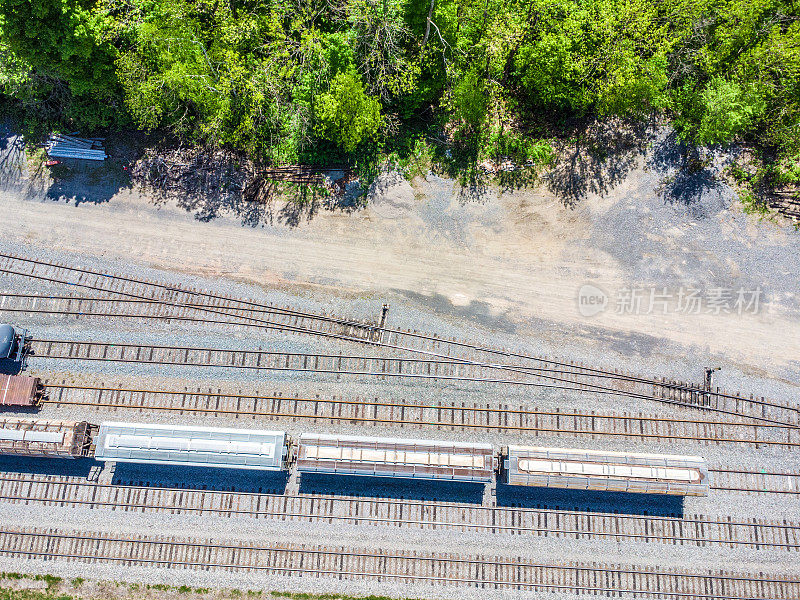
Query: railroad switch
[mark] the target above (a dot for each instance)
(709, 377)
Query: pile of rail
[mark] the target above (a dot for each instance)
(66, 146)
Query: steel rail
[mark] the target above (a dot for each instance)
(52, 539)
(753, 490)
(444, 358)
(421, 504)
(254, 306)
(60, 498)
(793, 477)
(252, 322)
(88, 344)
(375, 402)
(784, 474)
(597, 372)
(397, 421)
(542, 372)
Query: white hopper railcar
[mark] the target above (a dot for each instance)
(191, 446)
(391, 457)
(606, 471)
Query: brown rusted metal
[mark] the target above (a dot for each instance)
(42, 437)
(20, 390)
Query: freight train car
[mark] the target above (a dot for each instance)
(12, 343)
(192, 446)
(390, 457)
(354, 455)
(606, 471)
(40, 437)
(20, 391)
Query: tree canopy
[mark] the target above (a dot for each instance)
(288, 80)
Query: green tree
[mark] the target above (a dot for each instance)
(345, 114)
(65, 40)
(606, 56)
(728, 108)
(380, 36)
(469, 102)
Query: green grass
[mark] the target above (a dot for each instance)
(751, 204)
(304, 596)
(9, 594)
(55, 591)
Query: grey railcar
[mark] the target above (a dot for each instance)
(191, 446)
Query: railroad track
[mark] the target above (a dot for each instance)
(414, 414)
(332, 364)
(142, 289)
(694, 530)
(261, 315)
(403, 567)
(336, 364)
(733, 480)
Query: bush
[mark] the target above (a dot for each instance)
(503, 143)
(346, 115)
(727, 110)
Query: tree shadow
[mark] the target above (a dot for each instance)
(688, 176)
(214, 184)
(12, 159)
(524, 177)
(597, 157)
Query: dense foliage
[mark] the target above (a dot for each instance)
(297, 80)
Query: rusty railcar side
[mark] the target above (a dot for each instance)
(606, 471)
(392, 457)
(44, 438)
(20, 390)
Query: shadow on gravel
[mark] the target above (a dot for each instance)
(688, 177)
(10, 367)
(200, 478)
(475, 311)
(386, 487)
(588, 501)
(49, 466)
(597, 158)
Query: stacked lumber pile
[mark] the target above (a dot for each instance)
(66, 146)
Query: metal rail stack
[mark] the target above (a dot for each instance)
(65, 146)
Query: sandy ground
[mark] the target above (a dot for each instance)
(517, 259)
